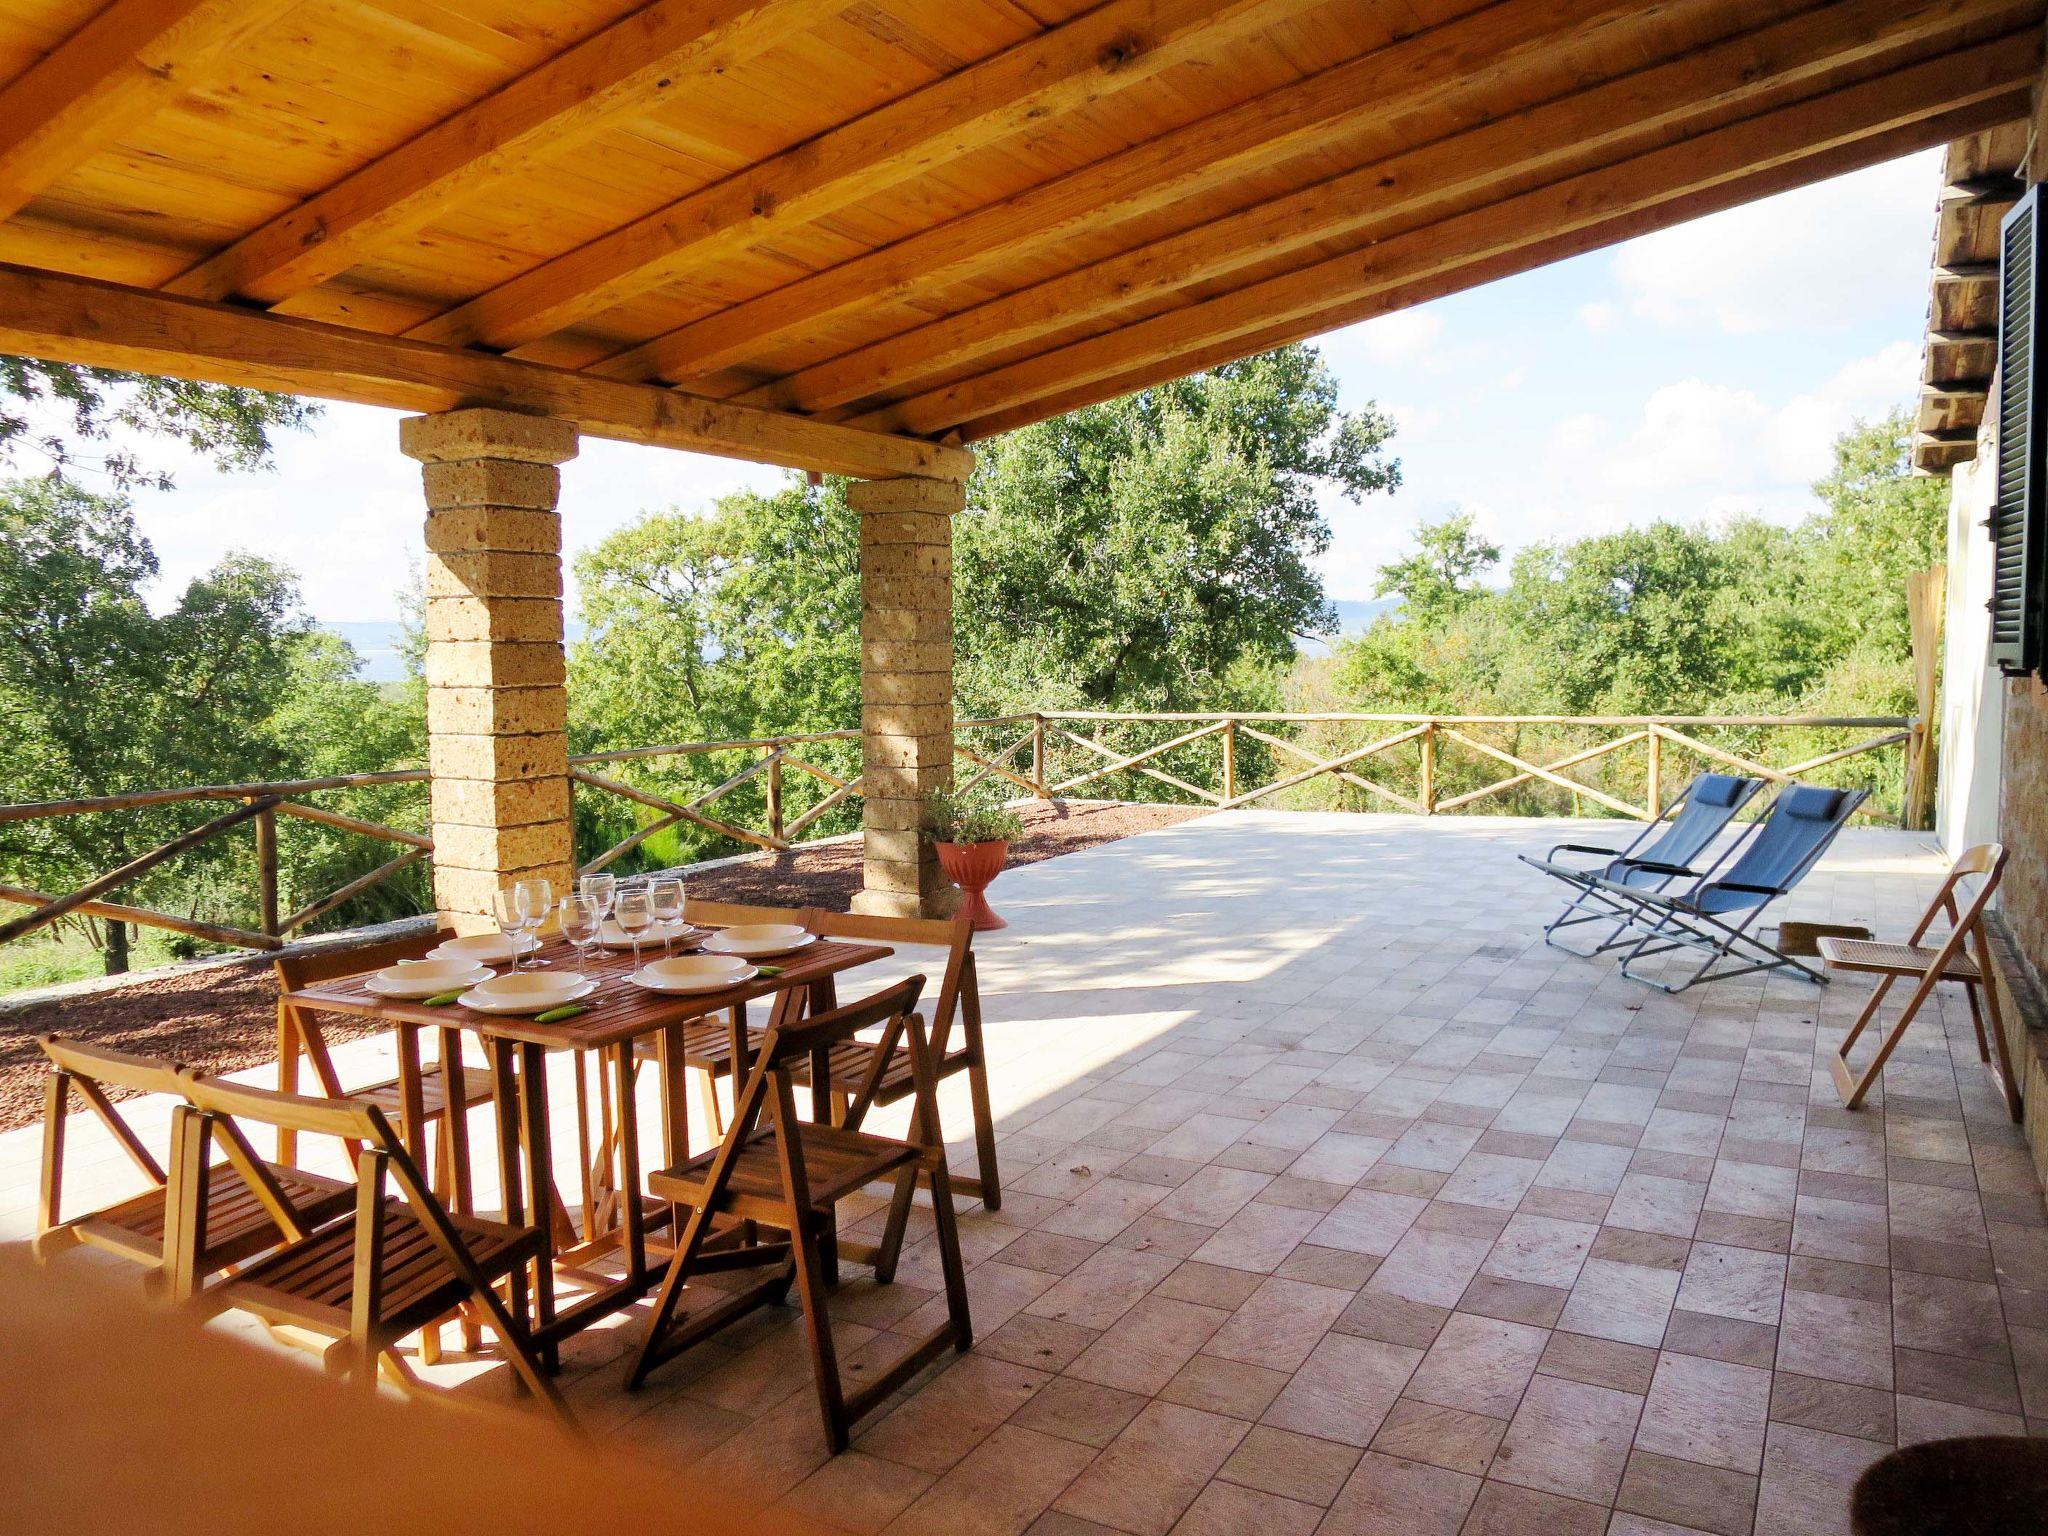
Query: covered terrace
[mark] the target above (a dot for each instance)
(1334, 1200)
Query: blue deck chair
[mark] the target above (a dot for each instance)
(1715, 913)
(1665, 850)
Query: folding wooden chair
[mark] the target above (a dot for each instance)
(959, 998)
(134, 1228)
(395, 1267)
(1964, 957)
(778, 1170)
(298, 1035)
(853, 1062)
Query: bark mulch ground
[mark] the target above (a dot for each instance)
(222, 1018)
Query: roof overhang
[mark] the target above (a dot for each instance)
(851, 237)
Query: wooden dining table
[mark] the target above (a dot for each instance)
(618, 1017)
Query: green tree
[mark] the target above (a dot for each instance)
(98, 695)
(67, 418)
(1144, 551)
(1156, 551)
(1665, 618)
(1443, 573)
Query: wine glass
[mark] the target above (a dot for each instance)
(580, 921)
(511, 921)
(535, 899)
(665, 898)
(633, 911)
(603, 890)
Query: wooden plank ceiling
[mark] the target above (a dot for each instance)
(1980, 181)
(845, 234)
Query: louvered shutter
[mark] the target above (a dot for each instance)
(2017, 573)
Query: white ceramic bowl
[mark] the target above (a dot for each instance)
(547, 988)
(427, 978)
(766, 933)
(758, 940)
(693, 973)
(479, 949)
(696, 968)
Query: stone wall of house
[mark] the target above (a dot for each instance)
(2023, 818)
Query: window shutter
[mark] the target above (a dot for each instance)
(2017, 527)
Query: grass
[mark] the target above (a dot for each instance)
(48, 962)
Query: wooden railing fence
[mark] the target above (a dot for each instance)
(1047, 756)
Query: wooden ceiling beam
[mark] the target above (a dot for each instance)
(103, 325)
(1454, 59)
(1043, 77)
(131, 59)
(1399, 191)
(1838, 160)
(633, 65)
(1909, 94)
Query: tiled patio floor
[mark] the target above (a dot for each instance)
(1338, 1204)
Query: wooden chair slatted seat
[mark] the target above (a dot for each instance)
(135, 1227)
(1964, 956)
(390, 1265)
(774, 1169)
(850, 1063)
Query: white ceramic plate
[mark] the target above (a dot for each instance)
(426, 978)
(527, 992)
(759, 941)
(692, 973)
(482, 948)
(613, 937)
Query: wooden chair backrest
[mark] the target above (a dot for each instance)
(722, 914)
(345, 1118)
(785, 1044)
(1965, 921)
(770, 1089)
(103, 1064)
(306, 970)
(76, 1067)
(955, 935)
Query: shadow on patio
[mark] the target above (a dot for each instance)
(1336, 1202)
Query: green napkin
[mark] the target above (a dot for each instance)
(556, 1015)
(769, 970)
(444, 999)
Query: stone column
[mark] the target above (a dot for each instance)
(497, 704)
(906, 661)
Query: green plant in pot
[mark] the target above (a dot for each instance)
(972, 839)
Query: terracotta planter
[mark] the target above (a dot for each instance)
(971, 866)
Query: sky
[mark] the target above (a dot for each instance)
(1695, 373)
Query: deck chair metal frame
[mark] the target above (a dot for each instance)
(776, 1170)
(1665, 850)
(135, 1227)
(1718, 911)
(1964, 957)
(336, 1279)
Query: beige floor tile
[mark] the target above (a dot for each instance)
(1569, 1438)
(1145, 1481)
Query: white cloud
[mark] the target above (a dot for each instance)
(1701, 449)
(1599, 315)
(1406, 336)
(1413, 421)
(1820, 258)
